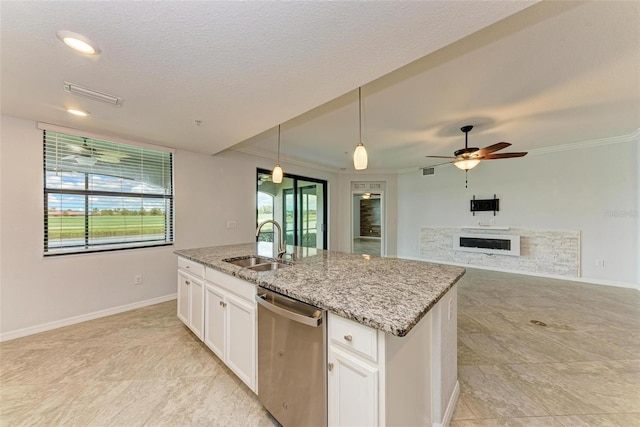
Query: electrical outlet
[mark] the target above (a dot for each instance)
(450, 309)
(231, 224)
(600, 263)
(137, 280)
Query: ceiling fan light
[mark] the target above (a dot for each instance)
(360, 158)
(277, 174)
(467, 164)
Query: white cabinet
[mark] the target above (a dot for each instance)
(241, 353)
(191, 295)
(230, 323)
(183, 297)
(215, 319)
(353, 390)
(379, 379)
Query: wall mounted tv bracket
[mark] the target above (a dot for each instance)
(485, 205)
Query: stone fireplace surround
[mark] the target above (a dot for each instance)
(549, 252)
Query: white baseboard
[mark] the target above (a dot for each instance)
(83, 318)
(529, 273)
(451, 406)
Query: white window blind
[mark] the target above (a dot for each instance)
(101, 195)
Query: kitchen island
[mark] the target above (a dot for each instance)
(399, 316)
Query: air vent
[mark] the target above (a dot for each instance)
(93, 94)
(428, 171)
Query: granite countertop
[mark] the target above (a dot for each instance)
(388, 294)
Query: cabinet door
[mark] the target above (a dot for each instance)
(352, 390)
(215, 320)
(241, 339)
(184, 282)
(196, 307)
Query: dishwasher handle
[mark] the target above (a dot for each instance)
(289, 314)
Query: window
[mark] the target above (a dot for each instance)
(101, 195)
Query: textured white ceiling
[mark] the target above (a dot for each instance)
(239, 67)
(556, 73)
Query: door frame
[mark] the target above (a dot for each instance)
(383, 219)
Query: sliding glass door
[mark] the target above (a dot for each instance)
(299, 204)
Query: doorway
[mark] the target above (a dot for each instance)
(298, 203)
(367, 219)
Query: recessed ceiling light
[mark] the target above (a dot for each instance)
(76, 112)
(78, 42)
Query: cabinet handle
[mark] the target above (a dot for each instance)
(223, 304)
(330, 366)
(186, 266)
(186, 282)
(348, 338)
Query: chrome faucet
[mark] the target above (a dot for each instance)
(282, 249)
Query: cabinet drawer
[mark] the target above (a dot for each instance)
(232, 284)
(358, 338)
(191, 266)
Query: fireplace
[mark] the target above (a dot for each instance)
(502, 244)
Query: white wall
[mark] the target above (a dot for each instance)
(591, 189)
(36, 292)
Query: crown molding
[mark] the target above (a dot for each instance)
(368, 172)
(635, 135)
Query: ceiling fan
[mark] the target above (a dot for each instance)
(89, 156)
(467, 158)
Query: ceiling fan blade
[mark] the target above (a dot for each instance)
(109, 159)
(441, 157)
(75, 148)
(490, 149)
(504, 156)
(440, 164)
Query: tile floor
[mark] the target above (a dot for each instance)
(366, 246)
(144, 368)
(581, 369)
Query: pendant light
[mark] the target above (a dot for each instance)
(277, 174)
(360, 155)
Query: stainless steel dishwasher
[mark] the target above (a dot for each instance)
(292, 360)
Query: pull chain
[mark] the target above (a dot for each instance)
(466, 175)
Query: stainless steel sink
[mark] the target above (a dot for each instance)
(257, 263)
(248, 261)
(274, 265)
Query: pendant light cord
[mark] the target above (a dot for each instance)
(360, 112)
(278, 145)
